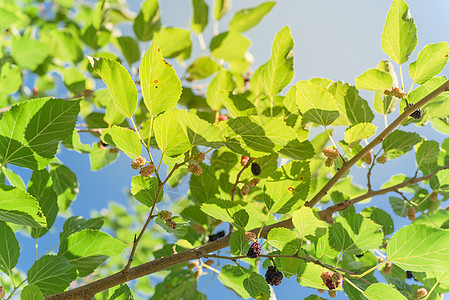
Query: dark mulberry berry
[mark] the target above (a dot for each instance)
(216, 236)
(254, 250)
(359, 255)
(417, 114)
(273, 276)
(255, 168)
(409, 274)
(326, 276)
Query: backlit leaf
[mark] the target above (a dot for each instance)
(124, 139)
(249, 17)
(431, 61)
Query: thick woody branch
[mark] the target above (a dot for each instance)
(379, 139)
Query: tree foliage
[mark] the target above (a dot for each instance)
(240, 142)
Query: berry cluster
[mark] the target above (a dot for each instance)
(382, 159)
(166, 216)
(395, 92)
(147, 171)
(198, 157)
(367, 159)
(331, 155)
(170, 223)
(222, 118)
(138, 163)
(332, 280)
(411, 214)
(433, 197)
(195, 169)
(417, 114)
(255, 169)
(254, 250)
(216, 236)
(254, 182)
(244, 190)
(249, 236)
(273, 276)
(388, 267)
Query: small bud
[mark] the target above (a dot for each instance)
(255, 169)
(381, 159)
(199, 272)
(192, 265)
(254, 182)
(332, 294)
(138, 163)
(395, 92)
(411, 214)
(249, 236)
(244, 190)
(195, 169)
(422, 292)
(35, 95)
(367, 159)
(331, 153)
(222, 118)
(433, 197)
(209, 262)
(244, 160)
(329, 162)
(379, 259)
(113, 150)
(164, 214)
(320, 291)
(170, 223)
(199, 229)
(2, 292)
(147, 171)
(198, 157)
(387, 268)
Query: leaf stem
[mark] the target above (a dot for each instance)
(369, 270)
(353, 285)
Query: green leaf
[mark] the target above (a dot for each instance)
(74, 80)
(238, 244)
(199, 131)
(120, 292)
(65, 185)
(427, 156)
(144, 189)
(315, 103)
(353, 108)
(30, 131)
(380, 217)
(399, 35)
(41, 187)
(202, 68)
(354, 234)
(226, 211)
(374, 80)
(287, 188)
(232, 277)
(236, 104)
(119, 82)
(297, 150)
(9, 248)
(31, 292)
(19, 207)
(221, 82)
(85, 265)
(257, 286)
(307, 223)
(399, 142)
(399, 206)
(10, 79)
(384, 104)
(90, 242)
(13, 178)
(308, 275)
(247, 18)
(258, 135)
(175, 42)
(326, 247)
(229, 46)
(170, 137)
(420, 248)
(77, 223)
(379, 291)
(130, 49)
(51, 273)
(281, 238)
(358, 132)
(63, 44)
(221, 7)
(279, 69)
(430, 62)
(124, 139)
(200, 16)
(148, 21)
(28, 53)
(100, 157)
(73, 142)
(438, 107)
(161, 87)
